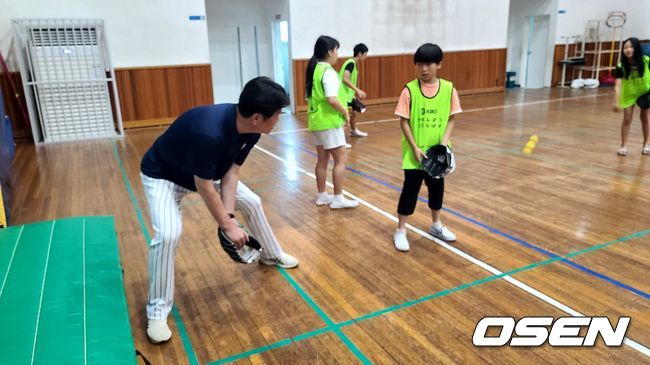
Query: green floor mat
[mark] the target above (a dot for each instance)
(62, 295)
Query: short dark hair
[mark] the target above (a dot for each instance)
(262, 95)
(360, 48)
(428, 53)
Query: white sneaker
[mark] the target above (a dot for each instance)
(158, 330)
(343, 203)
(358, 133)
(285, 261)
(400, 241)
(348, 146)
(443, 233)
(324, 199)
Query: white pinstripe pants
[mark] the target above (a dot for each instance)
(164, 198)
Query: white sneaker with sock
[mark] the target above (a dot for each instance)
(442, 232)
(323, 199)
(158, 331)
(339, 202)
(358, 133)
(400, 241)
(284, 261)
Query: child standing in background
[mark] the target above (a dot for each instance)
(349, 76)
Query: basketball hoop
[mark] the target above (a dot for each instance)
(616, 19)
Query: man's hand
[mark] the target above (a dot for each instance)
(236, 234)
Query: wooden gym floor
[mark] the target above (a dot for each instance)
(354, 298)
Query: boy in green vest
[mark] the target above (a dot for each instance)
(348, 75)
(426, 109)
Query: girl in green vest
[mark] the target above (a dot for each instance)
(348, 75)
(426, 109)
(326, 118)
(632, 86)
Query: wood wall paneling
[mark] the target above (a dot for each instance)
(383, 77)
(159, 93)
(148, 95)
(155, 95)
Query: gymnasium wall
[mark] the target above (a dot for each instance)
(395, 27)
(140, 33)
(471, 32)
(518, 30)
(574, 20)
(147, 40)
(384, 77)
(162, 58)
(224, 16)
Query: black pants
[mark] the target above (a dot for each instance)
(411, 189)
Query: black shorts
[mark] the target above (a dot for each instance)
(644, 101)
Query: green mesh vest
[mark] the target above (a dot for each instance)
(321, 115)
(346, 94)
(634, 86)
(428, 120)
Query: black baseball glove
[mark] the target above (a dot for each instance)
(439, 161)
(246, 255)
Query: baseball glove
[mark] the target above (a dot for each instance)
(246, 255)
(439, 161)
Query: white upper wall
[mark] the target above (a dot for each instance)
(394, 27)
(518, 33)
(140, 33)
(224, 17)
(159, 32)
(578, 12)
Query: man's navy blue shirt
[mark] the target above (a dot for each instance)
(203, 141)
